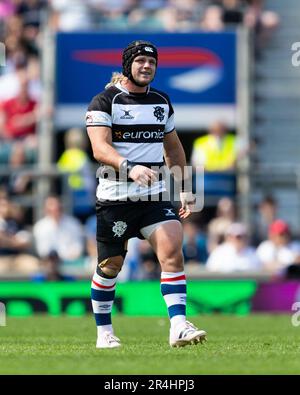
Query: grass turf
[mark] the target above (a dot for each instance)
(254, 344)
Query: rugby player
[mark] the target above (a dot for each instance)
(131, 130)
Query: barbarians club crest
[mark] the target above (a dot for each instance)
(119, 228)
(159, 113)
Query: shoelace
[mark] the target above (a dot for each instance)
(110, 338)
(190, 325)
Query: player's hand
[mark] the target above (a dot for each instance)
(142, 175)
(188, 201)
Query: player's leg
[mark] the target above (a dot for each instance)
(110, 261)
(166, 239)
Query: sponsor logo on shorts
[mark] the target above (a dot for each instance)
(119, 228)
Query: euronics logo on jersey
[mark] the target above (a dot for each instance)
(140, 135)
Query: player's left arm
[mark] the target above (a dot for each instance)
(176, 161)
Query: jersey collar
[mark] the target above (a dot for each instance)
(119, 86)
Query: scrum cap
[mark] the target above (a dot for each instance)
(135, 49)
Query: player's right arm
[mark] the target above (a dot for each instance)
(99, 129)
(103, 151)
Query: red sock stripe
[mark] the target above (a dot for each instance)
(104, 286)
(166, 280)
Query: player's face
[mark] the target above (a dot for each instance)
(143, 69)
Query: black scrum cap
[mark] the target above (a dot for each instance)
(135, 49)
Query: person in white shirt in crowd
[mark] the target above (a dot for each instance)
(58, 237)
(234, 254)
(279, 251)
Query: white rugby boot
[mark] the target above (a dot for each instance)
(108, 340)
(185, 334)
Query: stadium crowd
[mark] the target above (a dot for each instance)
(37, 249)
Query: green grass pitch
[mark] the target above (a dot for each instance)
(254, 344)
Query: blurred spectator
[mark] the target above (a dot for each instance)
(194, 244)
(234, 254)
(144, 19)
(262, 22)
(218, 150)
(232, 12)
(16, 256)
(168, 18)
(218, 227)
(19, 114)
(166, 15)
(81, 180)
(70, 15)
(266, 215)
(58, 238)
(16, 182)
(31, 11)
(279, 251)
(212, 19)
(10, 83)
(15, 46)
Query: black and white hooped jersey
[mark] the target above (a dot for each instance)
(139, 122)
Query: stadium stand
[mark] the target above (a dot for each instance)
(277, 119)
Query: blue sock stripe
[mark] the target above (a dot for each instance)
(103, 319)
(102, 296)
(167, 289)
(177, 309)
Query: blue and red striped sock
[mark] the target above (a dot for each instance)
(173, 289)
(103, 295)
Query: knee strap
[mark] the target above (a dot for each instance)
(110, 256)
(108, 250)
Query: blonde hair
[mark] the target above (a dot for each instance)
(115, 78)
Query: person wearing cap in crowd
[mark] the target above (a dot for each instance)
(234, 254)
(131, 128)
(279, 251)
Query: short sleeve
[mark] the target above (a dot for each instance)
(170, 125)
(99, 111)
